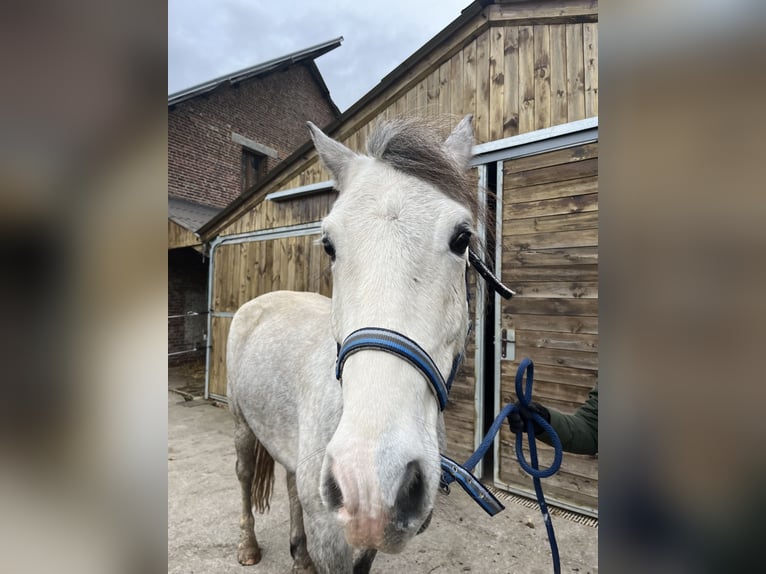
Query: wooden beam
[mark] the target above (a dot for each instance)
(254, 145)
(542, 10)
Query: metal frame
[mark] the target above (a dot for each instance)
(301, 191)
(497, 369)
(263, 235)
(478, 329)
(538, 141)
(186, 351)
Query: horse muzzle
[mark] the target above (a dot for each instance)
(368, 521)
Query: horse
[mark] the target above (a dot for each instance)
(361, 454)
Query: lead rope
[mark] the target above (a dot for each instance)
(451, 474)
(462, 473)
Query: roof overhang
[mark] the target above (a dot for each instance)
(309, 54)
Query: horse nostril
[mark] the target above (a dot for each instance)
(332, 494)
(412, 493)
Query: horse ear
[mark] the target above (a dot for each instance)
(334, 155)
(460, 142)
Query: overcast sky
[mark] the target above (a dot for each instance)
(210, 38)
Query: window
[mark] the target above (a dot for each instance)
(253, 168)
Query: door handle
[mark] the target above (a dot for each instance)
(508, 344)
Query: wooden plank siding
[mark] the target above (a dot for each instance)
(542, 48)
(460, 416)
(179, 236)
(550, 216)
(526, 80)
(219, 333)
(271, 214)
(497, 80)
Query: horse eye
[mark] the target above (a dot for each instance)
(329, 248)
(459, 242)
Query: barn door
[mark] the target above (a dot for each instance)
(547, 251)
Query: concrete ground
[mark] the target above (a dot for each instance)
(203, 514)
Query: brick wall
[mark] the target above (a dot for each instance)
(187, 291)
(204, 164)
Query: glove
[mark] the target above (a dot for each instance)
(518, 419)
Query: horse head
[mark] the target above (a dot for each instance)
(398, 236)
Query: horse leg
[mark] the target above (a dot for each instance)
(363, 561)
(298, 549)
(244, 443)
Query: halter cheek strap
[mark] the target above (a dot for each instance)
(492, 281)
(376, 338)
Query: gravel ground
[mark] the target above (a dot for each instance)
(203, 516)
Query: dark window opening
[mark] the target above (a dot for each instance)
(489, 382)
(253, 168)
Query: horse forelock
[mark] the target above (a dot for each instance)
(415, 146)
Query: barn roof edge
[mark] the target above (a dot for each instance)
(307, 54)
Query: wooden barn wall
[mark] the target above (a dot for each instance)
(245, 270)
(550, 258)
(179, 236)
(460, 414)
(271, 214)
(517, 68)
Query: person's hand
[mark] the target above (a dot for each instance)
(518, 419)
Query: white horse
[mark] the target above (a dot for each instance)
(362, 458)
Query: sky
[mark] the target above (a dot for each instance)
(210, 38)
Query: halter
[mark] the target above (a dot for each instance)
(397, 344)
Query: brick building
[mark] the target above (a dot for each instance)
(224, 136)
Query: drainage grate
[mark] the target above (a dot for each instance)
(554, 510)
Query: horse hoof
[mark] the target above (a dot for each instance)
(248, 555)
(301, 569)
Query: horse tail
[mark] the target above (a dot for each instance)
(263, 482)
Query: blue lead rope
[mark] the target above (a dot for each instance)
(452, 472)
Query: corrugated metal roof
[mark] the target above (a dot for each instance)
(188, 214)
(235, 77)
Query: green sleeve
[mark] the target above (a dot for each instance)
(579, 431)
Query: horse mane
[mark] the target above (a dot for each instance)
(415, 146)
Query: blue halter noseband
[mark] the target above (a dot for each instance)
(393, 342)
(397, 344)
